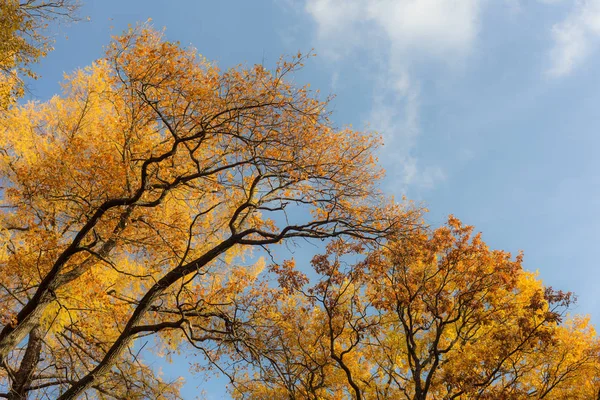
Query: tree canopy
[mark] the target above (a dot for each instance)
(24, 39)
(152, 170)
(434, 314)
(144, 199)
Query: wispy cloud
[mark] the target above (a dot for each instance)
(436, 27)
(400, 35)
(395, 113)
(575, 37)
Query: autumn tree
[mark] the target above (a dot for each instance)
(24, 39)
(128, 201)
(434, 314)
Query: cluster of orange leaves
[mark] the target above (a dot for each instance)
(131, 204)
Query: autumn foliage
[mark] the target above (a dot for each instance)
(434, 314)
(127, 197)
(144, 200)
(24, 39)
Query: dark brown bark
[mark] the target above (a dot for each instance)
(22, 378)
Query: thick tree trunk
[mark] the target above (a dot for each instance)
(120, 345)
(30, 316)
(24, 375)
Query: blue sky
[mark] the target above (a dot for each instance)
(489, 108)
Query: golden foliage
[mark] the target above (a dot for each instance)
(24, 40)
(434, 314)
(130, 207)
(130, 200)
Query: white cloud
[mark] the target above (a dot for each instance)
(575, 37)
(339, 28)
(436, 27)
(332, 15)
(395, 114)
(398, 35)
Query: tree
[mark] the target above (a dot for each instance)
(432, 314)
(24, 40)
(131, 206)
(129, 200)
